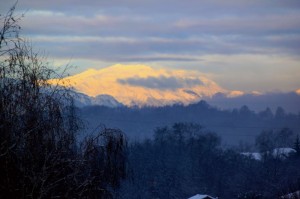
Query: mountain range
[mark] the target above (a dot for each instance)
(141, 85)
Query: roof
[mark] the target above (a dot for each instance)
(277, 153)
(255, 155)
(283, 151)
(199, 196)
(291, 195)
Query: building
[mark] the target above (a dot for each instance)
(200, 196)
(294, 195)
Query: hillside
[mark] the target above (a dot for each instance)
(233, 126)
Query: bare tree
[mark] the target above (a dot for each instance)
(39, 154)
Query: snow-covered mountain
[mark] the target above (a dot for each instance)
(140, 85)
(82, 100)
(106, 100)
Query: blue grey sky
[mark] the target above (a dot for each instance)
(241, 44)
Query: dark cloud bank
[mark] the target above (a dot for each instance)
(162, 82)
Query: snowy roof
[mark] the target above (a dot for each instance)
(283, 151)
(291, 195)
(199, 196)
(255, 156)
(277, 152)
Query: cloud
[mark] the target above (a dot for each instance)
(147, 49)
(172, 31)
(191, 92)
(150, 6)
(162, 82)
(142, 31)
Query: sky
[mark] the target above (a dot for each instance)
(247, 45)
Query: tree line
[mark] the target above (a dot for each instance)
(186, 159)
(240, 124)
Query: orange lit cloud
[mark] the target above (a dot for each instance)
(235, 93)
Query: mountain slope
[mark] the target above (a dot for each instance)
(82, 100)
(233, 126)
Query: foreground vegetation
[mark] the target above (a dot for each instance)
(39, 154)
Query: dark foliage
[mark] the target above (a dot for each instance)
(186, 159)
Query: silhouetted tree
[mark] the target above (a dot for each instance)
(39, 153)
(266, 114)
(271, 139)
(297, 145)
